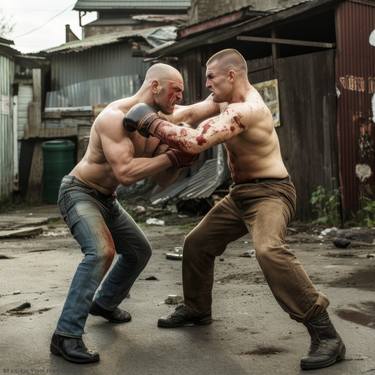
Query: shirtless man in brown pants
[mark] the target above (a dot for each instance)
(261, 201)
(96, 219)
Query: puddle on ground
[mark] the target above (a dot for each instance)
(363, 314)
(361, 279)
(265, 350)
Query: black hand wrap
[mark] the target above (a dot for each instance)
(140, 117)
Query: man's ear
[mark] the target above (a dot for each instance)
(155, 87)
(231, 75)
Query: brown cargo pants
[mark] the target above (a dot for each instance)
(264, 209)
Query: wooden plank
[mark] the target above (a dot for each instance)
(34, 118)
(260, 70)
(51, 115)
(292, 42)
(34, 189)
(8, 222)
(307, 135)
(22, 232)
(52, 133)
(37, 86)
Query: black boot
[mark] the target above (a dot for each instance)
(326, 346)
(115, 316)
(72, 349)
(184, 317)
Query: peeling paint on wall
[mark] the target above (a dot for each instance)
(363, 172)
(372, 38)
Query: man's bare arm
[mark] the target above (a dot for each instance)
(209, 133)
(168, 176)
(128, 170)
(119, 150)
(195, 113)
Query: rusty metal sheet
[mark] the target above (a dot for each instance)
(355, 86)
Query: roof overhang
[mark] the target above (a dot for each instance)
(6, 49)
(103, 39)
(212, 36)
(93, 6)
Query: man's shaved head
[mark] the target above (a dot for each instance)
(165, 85)
(229, 59)
(161, 72)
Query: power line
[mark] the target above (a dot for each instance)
(47, 22)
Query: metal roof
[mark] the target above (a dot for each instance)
(151, 35)
(201, 185)
(213, 36)
(7, 47)
(95, 5)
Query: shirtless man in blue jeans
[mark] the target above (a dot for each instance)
(98, 222)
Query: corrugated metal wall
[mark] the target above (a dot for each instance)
(6, 127)
(355, 82)
(93, 76)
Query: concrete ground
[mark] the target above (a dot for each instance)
(250, 333)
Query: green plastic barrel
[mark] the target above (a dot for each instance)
(58, 160)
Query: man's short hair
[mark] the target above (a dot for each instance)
(229, 58)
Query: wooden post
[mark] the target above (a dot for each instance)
(34, 189)
(275, 52)
(35, 107)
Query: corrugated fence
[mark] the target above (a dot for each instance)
(95, 76)
(6, 127)
(355, 82)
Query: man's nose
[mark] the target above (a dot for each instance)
(208, 84)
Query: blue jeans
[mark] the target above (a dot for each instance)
(101, 227)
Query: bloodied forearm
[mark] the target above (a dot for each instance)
(209, 133)
(195, 113)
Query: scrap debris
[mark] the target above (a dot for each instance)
(174, 299)
(23, 306)
(176, 254)
(155, 221)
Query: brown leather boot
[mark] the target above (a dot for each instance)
(326, 346)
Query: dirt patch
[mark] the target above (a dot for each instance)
(361, 279)
(363, 314)
(341, 254)
(27, 313)
(265, 350)
(246, 277)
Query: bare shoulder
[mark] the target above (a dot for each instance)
(252, 113)
(109, 123)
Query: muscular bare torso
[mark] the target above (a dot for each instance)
(94, 169)
(255, 152)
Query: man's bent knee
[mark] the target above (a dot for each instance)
(145, 254)
(193, 245)
(268, 253)
(103, 259)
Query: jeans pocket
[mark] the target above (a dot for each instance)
(66, 204)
